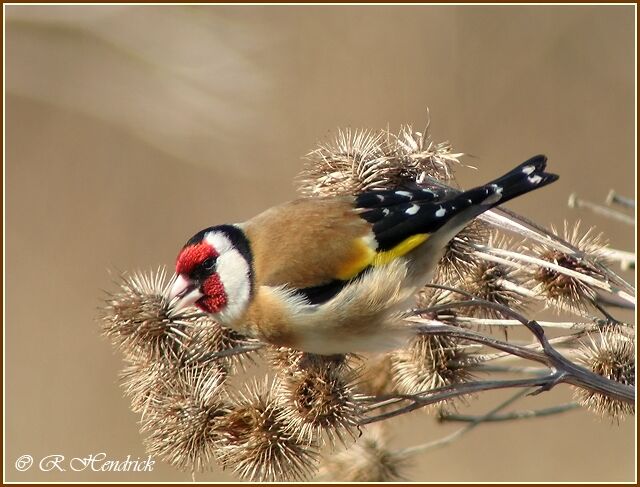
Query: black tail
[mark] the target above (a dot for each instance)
(526, 177)
(397, 215)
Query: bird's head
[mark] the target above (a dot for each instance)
(214, 272)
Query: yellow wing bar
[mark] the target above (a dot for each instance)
(364, 256)
(404, 247)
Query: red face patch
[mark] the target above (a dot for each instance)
(214, 298)
(192, 256)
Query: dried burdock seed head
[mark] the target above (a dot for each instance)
(316, 398)
(496, 283)
(429, 297)
(563, 291)
(419, 157)
(144, 381)
(431, 361)
(361, 160)
(140, 321)
(459, 258)
(611, 355)
(257, 445)
(181, 417)
(283, 357)
(369, 460)
(208, 337)
(354, 162)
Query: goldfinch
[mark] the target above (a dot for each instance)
(333, 275)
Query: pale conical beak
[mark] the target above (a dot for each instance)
(186, 292)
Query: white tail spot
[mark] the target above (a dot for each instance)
(534, 179)
(404, 193)
(528, 169)
(412, 210)
(441, 212)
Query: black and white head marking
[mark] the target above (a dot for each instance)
(234, 268)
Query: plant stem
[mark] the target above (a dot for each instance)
(414, 450)
(516, 415)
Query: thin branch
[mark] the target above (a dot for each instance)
(614, 197)
(569, 372)
(564, 325)
(600, 284)
(509, 220)
(575, 202)
(516, 415)
(477, 421)
(442, 393)
(626, 259)
(508, 369)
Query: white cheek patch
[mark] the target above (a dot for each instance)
(234, 272)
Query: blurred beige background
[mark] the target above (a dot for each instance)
(130, 128)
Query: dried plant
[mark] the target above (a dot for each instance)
(370, 460)
(566, 291)
(181, 417)
(431, 362)
(611, 355)
(257, 443)
(181, 366)
(458, 260)
(140, 321)
(360, 159)
(316, 396)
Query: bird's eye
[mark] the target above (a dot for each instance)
(209, 264)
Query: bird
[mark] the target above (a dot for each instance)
(333, 275)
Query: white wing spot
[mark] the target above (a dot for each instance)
(412, 210)
(469, 201)
(380, 197)
(370, 241)
(441, 212)
(404, 193)
(534, 179)
(385, 211)
(528, 169)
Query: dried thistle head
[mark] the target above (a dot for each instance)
(181, 416)
(564, 291)
(612, 355)
(208, 337)
(369, 460)
(429, 297)
(497, 283)
(462, 268)
(141, 322)
(257, 444)
(459, 258)
(316, 398)
(361, 160)
(430, 362)
(143, 381)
